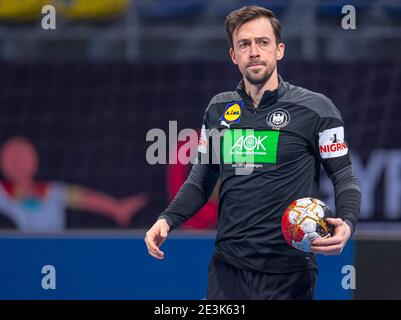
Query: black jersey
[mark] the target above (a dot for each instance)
(266, 157)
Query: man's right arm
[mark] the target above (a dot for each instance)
(193, 194)
(198, 187)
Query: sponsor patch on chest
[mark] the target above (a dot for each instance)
(250, 146)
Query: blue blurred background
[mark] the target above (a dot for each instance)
(77, 102)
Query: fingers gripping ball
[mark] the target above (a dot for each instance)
(303, 221)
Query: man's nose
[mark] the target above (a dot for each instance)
(254, 50)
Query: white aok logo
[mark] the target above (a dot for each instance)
(250, 143)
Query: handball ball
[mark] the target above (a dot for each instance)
(303, 221)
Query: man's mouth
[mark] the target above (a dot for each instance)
(256, 64)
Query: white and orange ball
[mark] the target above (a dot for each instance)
(303, 221)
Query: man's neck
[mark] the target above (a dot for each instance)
(256, 91)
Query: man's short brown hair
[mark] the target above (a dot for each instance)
(238, 17)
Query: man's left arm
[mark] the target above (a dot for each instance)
(333, 152)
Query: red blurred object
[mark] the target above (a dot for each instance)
(206, 217)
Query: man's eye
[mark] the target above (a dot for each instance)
(243, 45)
(264, 43)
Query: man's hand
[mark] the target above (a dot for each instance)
(334, 245)
(155, 238)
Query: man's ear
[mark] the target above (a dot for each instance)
(232, 55)
(280, 51)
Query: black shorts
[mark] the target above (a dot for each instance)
(227, 282)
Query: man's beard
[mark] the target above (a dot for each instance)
(259, 79)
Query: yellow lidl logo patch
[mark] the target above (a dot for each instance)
(232, 112)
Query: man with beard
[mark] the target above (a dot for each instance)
(273, 137)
